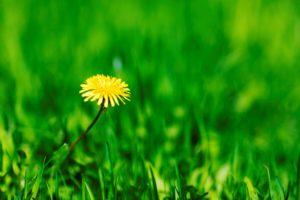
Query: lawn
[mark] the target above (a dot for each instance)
(213, 114)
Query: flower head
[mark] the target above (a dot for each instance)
(105, 89)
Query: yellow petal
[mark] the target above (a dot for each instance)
(106, 103)
(100, 100)
(111, 101)
(87, 94)
(116, 99)
(95, 97)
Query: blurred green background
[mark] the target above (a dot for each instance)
(215, 93)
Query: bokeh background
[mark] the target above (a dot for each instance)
(215, 92)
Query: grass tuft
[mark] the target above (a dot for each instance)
(214, 86)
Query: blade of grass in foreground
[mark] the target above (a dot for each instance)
(102, 186)
(252, 191)
(1, 157)
(83, 188)
(298, 179)
(37, 183)
(154, 187)
(25, 186)
(115, 189)
(269, 181)
(179, 184)
(279, 189)
(56, 186)
(112, 179)
(275, 187)
(172, 193)
(288, 191)
(49, 191)
(89, 191)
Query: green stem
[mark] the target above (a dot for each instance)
(101, 110)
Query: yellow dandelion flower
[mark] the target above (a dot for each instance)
(105, 89)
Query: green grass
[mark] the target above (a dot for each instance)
(215, 103)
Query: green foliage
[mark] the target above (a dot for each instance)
(215, 100)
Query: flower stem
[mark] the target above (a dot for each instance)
(101, 110)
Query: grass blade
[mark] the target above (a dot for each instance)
(25, 187)
(252, 191)
(179, 184)
(56, 189)
(298, 180)
(269, 181)
(56, 195)
(172, 193)
(115, 189)
(154, 187)
(89, 192)
(279, 189)
(49, 191)
(102, 184)
(83, 188)
(112, 179)
(37, 183)
(288, 192)
(1, 157)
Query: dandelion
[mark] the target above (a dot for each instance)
(106, 91)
